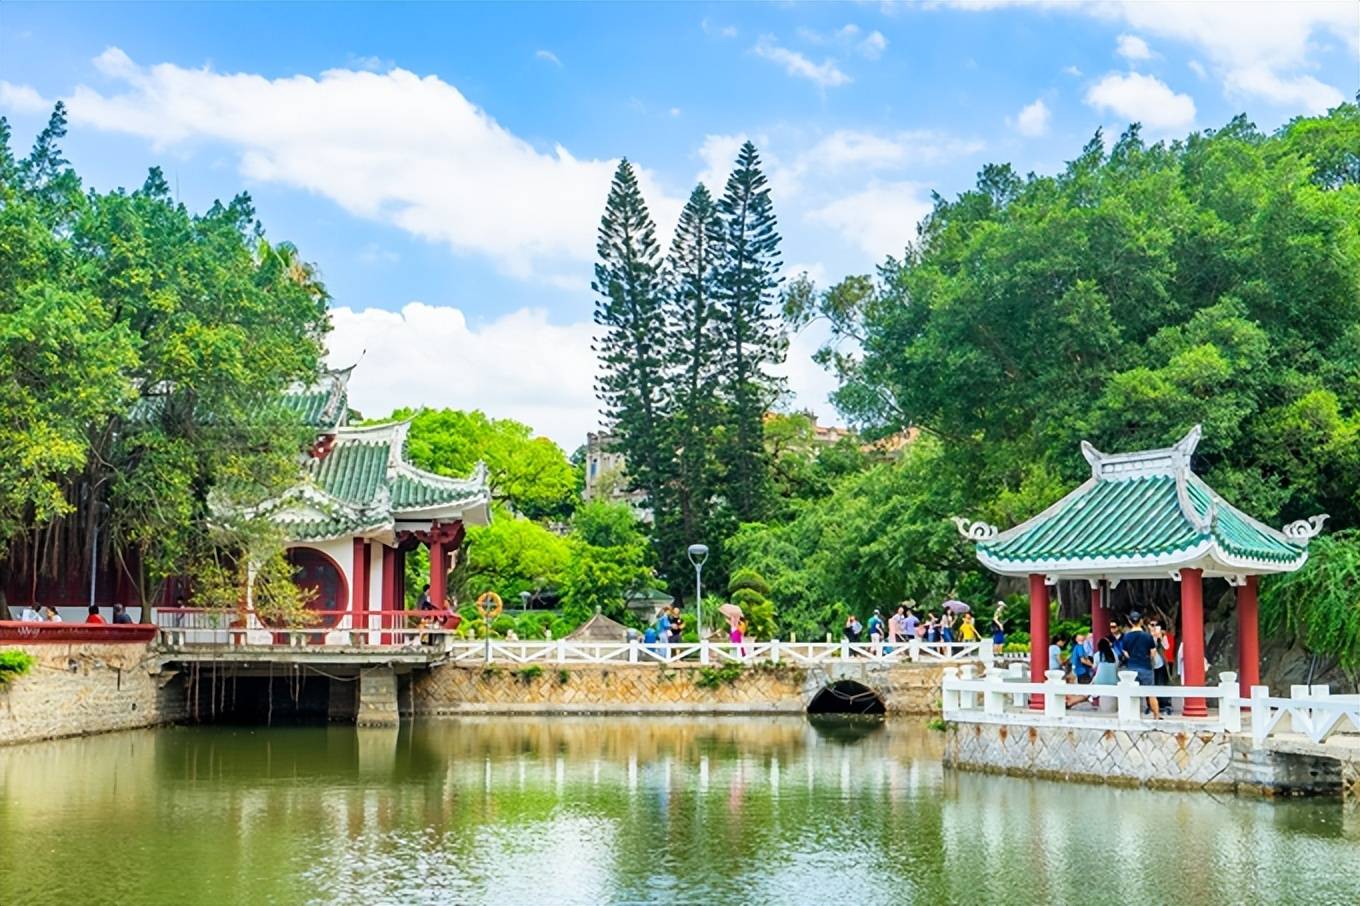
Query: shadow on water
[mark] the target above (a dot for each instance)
(846, 697)
(846, 729)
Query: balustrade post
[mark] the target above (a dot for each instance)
(632, 651)
(994, 698)
(703, 651)
(1260, 715)
(561, 651)
(1055, 698)
(985, 652)
(1229, 706)
(914, 649)
(774, 651)
(1129, 707)
(1016, 674)
(845, 648)
(949, 694)
(967, 699)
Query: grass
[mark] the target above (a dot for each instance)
(530, 673)
(713, 677)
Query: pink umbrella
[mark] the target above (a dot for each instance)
(732, 612)
(957, 607)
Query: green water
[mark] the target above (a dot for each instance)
(606, 810)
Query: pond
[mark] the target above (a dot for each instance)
(624, 810)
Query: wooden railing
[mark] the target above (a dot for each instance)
(188, 626)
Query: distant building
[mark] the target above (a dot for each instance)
(607, 472)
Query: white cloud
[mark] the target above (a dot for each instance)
(1132, 47)
(547, 56)
(1032, 120)
(1198, 69)
(518, 366)
(390, 147)
(1260, 49)
(1143, 99)
(675, 111)
(824, 74)
(717, 31)
(872, 47)
(881, 219)
(718, 153)
(23, 99)
(1073, 71)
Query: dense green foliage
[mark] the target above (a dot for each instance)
(1320, 604)
(14, 663)
(1214, 280)
(143, 351)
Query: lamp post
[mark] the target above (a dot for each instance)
(698, 553)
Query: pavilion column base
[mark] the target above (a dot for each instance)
(1195, 707)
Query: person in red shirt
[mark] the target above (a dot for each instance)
(94, 616)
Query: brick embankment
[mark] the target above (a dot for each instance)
(643, 689)
(79, 689)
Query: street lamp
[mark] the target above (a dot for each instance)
(698, 553)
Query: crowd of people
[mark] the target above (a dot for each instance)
(45, 613)
(1144, 647)
(945, 627)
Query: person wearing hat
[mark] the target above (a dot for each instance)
(1138, 646)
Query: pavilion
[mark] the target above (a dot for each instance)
(1146, 515)
(359, 507)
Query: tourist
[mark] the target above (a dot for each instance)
(120, 614)
(913, 625)
(1055, 652)
(1107, 674)
(1161, 662)
(1080, 659)
(897, 625)
(852, 629)
(1138, 645)
(31, 614)
(94, 616)
(677, 626)
(649, 638)
(1116, 635)
(968, 631)
(50, 614)
(998, 627)
(876, 633)
(424, 602)
(946, 626)
(734, 635)
(663, 631)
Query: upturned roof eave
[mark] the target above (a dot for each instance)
(1206, 554)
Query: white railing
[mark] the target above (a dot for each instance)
(1310, 711)
(1004, 695)
(567, 651)
(185, 627)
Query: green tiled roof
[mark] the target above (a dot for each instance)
(1143, 511)
(354, 470)
(323, 405)
(412, 492)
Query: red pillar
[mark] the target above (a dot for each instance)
(439, 573)
(359, 587)
(1248, 638)
(1192, 637)
(1038, 634)
(389, 586)
(1100, 614)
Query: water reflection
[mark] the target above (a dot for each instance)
(594, 809)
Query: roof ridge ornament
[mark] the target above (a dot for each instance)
(1301, 531)
(973, 531)
(1172, 460)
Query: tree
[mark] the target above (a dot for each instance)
(632, 342)
(691, 273)
(608, 560)
(752, 334)
(529, 474)
(510, 556)
(748, 590)
(143, 351)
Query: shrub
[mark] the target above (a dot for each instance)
(530, 673)
(14, 664)
(713, 677)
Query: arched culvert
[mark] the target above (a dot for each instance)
(846, 697)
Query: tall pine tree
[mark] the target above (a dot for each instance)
(752, 333)
(631, 347)
(691, 275)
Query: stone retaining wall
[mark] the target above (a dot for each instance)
(1156, 758)
(74, 690)
(641, 689)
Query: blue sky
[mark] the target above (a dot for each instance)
(445, 165)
